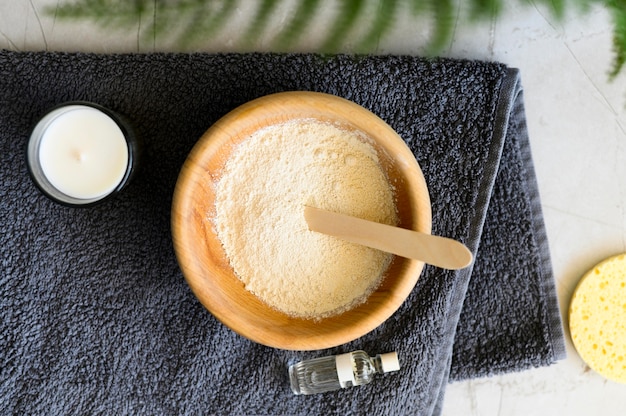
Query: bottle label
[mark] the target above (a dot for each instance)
(345, 370)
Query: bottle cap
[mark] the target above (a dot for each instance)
(389, 362)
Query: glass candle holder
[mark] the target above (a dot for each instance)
(80, 154)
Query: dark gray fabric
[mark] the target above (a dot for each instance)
(96, 317)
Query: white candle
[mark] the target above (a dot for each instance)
(78, 154)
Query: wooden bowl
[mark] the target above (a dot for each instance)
(204, 262)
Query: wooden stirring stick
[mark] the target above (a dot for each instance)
(438, 251)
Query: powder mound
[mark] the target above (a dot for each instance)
(259, 216)
(598, 318)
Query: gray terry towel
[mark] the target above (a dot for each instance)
(96, 317)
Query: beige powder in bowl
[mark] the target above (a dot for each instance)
(259, 216)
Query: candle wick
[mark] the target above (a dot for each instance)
(78, 156)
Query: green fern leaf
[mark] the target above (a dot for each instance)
(444, 15)
(346, 18)
(260, 21)
(380, 26)
(419, 7)
(618, 13)
(206, 20)
(302, 16)
(556, 7)
(481, 9)
(189, 22)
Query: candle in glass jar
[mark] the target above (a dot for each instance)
(79, 154)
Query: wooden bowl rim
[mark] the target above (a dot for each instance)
(287, 332)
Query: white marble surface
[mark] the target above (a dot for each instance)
(577, 121)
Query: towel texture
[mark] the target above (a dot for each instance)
(96, 317)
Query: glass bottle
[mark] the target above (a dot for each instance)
(339, 371)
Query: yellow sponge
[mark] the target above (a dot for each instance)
(597, 318)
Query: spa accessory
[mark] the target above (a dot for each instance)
(356, 368)
(438, 251)
(80, 153)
